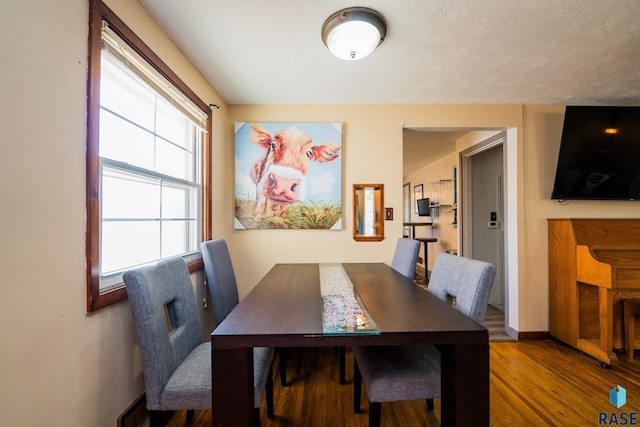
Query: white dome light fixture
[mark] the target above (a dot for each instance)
(353, 33)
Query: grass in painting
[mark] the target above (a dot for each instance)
(297, 216)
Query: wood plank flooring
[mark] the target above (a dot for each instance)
(533, 383)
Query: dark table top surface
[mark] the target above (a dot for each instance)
(285, 308)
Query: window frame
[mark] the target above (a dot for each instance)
(99, 12)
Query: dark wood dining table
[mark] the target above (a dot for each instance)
(285, 310)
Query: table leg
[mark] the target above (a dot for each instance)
(465, 385)
(232, 397)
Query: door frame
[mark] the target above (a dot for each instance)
(465, 212)
(406, 207)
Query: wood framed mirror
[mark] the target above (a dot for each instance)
(368, 218)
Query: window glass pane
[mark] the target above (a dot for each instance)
(127, 195)
(121, 93)
(123, 141)
(174, 202)
(173, 160)
(125, 244)
(176, 237)
(179, 230)
(172, 125)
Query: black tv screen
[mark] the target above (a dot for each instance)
(423, 207)
(599, 156)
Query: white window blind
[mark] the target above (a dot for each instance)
(121, 51)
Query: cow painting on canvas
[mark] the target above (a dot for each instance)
(288, 175)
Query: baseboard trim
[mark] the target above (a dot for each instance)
(533, 336)
(135, 413)
(527, 336)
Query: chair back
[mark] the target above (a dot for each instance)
(467, 280)
(167, 320)
(220, 277)
(405, 257)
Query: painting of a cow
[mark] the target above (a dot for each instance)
(288, 175)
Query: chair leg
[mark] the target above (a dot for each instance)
(357, 387)
(256, 417)
(375, 410)
(283, 357)
(430, 405)
(342, 354)
(190, 413)
(269, 393)
(158, 418)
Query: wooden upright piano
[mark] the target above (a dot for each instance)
(593, 265)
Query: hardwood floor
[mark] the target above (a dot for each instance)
(533, 383)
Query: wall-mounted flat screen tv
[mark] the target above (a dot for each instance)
(423, 207)
(599, 156)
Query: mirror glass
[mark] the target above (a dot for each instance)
(368, 222)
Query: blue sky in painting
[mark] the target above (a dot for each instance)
(324, 180)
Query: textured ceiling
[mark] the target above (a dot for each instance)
(422, 147)
(561, 52)
(436, 51)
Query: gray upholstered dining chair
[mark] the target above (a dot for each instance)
(405, 257)
(404, 262)
(176, 365)
(223, 288)
(413, 372)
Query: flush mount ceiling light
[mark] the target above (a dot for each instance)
(354, 32)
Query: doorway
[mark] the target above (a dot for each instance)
(487, 241)
(469, 142)
(483, 214)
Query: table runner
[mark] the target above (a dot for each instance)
(343, 311)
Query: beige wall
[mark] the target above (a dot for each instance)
(542, 130)
(372, 150)
(60, 366)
